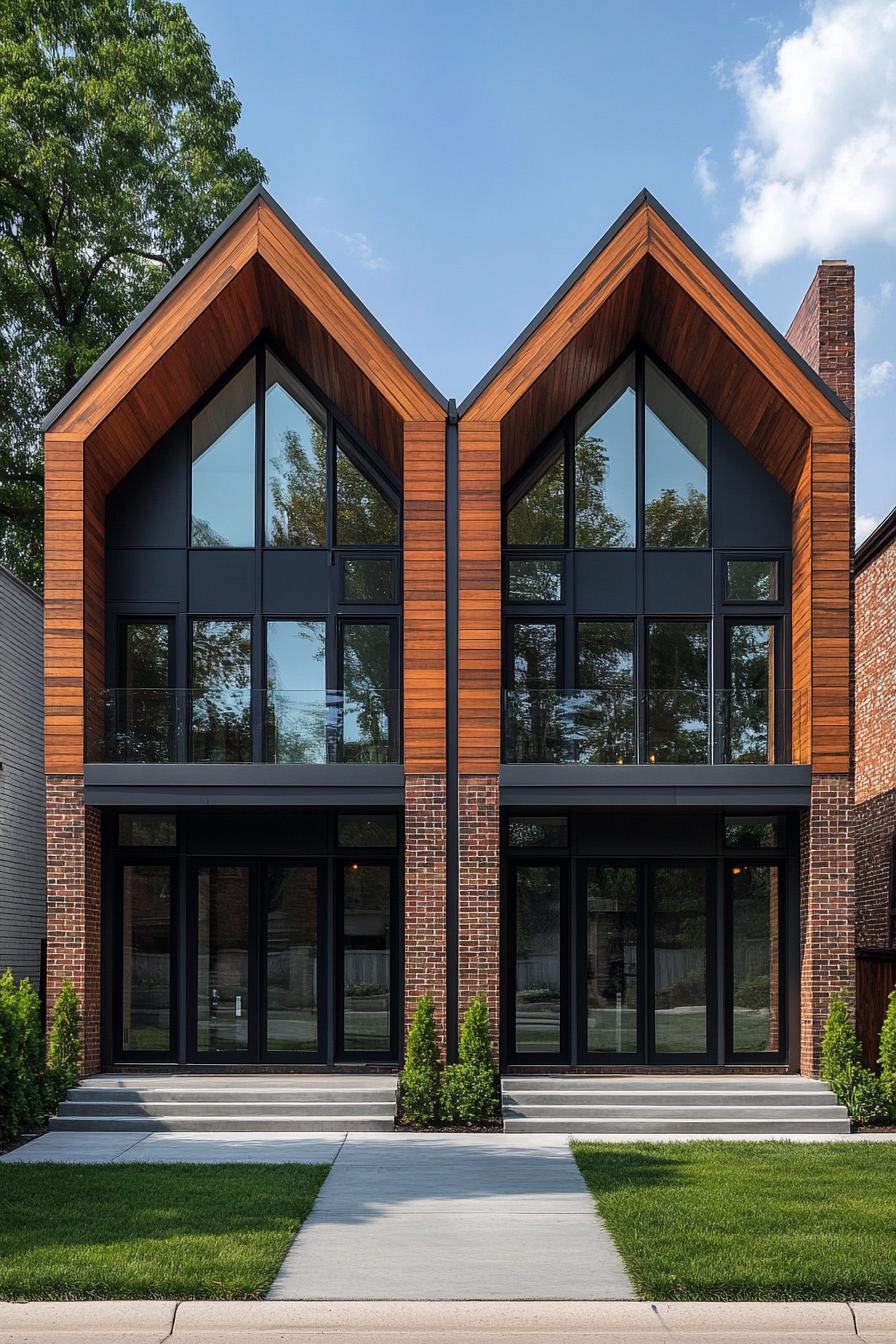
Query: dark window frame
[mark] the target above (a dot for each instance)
(775, 603)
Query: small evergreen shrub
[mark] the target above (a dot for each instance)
(420, 1077)
(64, 1053)
(887, 1055)
(864, 1095)
(32, 1107)
(470, 1094)
(10, 1057)
(840, 1048)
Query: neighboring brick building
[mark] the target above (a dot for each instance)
(23, 904)
(353, 694)
(875, 811)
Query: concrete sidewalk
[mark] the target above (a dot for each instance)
(432, 1217)
(139, 1146)
(448, 1322)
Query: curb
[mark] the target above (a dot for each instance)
(155, 1322)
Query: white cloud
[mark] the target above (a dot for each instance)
(359, 246)
(868, 310)
(705, 173)
(818, 156)
(865, 525)
(875, 380)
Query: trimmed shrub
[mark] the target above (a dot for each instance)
(10, 1057)
(840, 1048)
(864, 1096)
(470, 1093)
(64, 1053)
(32, 1107)
(887, 1055)
(420, 1077)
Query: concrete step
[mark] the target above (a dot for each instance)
(111, 1109)
(626, 1126)
(202, 1123)
(661, 1114)
(664, 1082)
(208, 1096)
(577, 1097)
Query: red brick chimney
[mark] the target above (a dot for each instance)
(824, 331)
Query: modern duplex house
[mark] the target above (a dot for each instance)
(23, 902)
(353, 694)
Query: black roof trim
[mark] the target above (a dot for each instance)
(876, 541)
(644, 197)
(257, 193)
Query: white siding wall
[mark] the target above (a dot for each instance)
(23, 905)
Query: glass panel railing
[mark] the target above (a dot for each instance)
(614, 725)
(313, 727)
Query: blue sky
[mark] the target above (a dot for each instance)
(456, 160)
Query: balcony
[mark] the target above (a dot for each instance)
(613, 726)
(213, 728)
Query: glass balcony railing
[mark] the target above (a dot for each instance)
(612, 725)
(156, 727)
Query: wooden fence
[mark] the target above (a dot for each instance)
(875, 978)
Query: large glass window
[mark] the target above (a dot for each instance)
(295, 461)
(751, 693)
(145, 721)
(678, 692)
(538, 1011)
(222, 959)
(532, 702)
(221, 690)
(367, 693)
(364, 515)
(605, 463)
(676, 448)
(680, 1001)
(290, 896)
(755, 951)
(367, 950)
(223, 476)
(146, 958)
(612, 959)
(539, 517)
(606, 694)
(296, 717)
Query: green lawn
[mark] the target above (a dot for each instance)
(167, 1231)
(706, 1221)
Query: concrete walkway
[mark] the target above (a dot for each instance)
(179, 1147)
(448, 1217)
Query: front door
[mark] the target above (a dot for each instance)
(257, 941)
(621, 971)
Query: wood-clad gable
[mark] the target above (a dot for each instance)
(647, 282)
(257, 277)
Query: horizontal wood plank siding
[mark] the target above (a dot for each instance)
(424, 597)
(479, 598)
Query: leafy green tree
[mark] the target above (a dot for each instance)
(118, 156)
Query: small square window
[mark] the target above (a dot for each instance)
(538, 832)
(752, 581)
(358, 830)
(149, 830)
(368, 579)
(752, 832)
(538, 580)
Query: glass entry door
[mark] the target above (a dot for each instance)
(365, 920)
(257, 933)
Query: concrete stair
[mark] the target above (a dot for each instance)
(277, 1103)
(684, 1104)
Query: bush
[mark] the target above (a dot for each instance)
(864, 1096)
(840, 1048)
(887, 1055)
(470, 1093)
(10, 1057)
(64, 1054)
(32, 1102)
(420, 1077)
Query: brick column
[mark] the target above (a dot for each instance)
(479, 895)
(425, 929)
(827, 908)
(73, 905)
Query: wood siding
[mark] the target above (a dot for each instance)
(479, 599)
(424, 686)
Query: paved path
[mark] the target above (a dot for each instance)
(432, 1217)
(139, 1146)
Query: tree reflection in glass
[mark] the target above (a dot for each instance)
(605, 463)
(296, 714)
(679, 960)
(295, 461)
(676, 453)
(364, 516)
(538, 518)
(678, 692)
(366, 690)
(751, 699)
(538, 985)
(221, 690)
(605, 727)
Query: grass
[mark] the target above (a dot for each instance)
(708, 1221)
(184, 1230)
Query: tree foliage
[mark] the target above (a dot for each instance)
(117, 158)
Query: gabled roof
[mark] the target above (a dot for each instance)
(642, 200)
(258, 193)
(876, 541)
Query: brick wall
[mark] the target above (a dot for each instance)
(479, 899)
(875, 835)
(827, 907)
(823, 330)
(73, 904)
(425, 930)
(876, 676)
